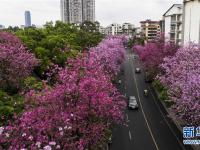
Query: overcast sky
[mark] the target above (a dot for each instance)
(107, 11)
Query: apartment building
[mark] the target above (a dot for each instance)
(77, 11)
(173, 23)
(191, 21)
(114, 29)
(102, 30)
(118, 29)
(128, 29)
(88, 10)
(150, 29)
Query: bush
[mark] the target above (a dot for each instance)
(9, 105)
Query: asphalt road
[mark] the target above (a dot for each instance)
(148, 128)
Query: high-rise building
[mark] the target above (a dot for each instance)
(173, 23)
(191, 21)
(88, 7)
(77, 11)
(27, 19)
(2, 27)
(71, 11)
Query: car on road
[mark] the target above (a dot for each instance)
(110, 140)
(137, 70)
(132, 103)
(120, 81)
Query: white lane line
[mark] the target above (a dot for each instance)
(166, 120)
(130, 137)
(150, 131)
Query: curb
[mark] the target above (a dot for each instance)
(174, 119)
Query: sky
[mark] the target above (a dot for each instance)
(107, 11)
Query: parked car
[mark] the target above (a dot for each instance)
(132, 104)
(137, 70)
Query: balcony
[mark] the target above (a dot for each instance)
(172, 31)
(174, 22)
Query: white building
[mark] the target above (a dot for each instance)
(114, 29)
(102, 30)
(77, 11)
(191, 21)
(173, 23)
(128, 29)
(138, 32)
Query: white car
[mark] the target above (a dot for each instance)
(137, 70)
(132, 104)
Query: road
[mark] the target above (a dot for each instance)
(148, 128)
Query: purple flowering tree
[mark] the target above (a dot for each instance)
(182, 78)
(16, 63)
(153, 53)
(77, 111)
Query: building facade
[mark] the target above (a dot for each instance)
(118, 29)
(2, 27)
(77, 11)
(88, 10)
(173, 23)
(102, 30)
(113, 29)
(71, 11)
(191, 21)
(27, 18)
(150, 29)
(128, 29)
(138, 32)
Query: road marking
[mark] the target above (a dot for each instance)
(144, 113)
(166, 120)
(130, 137)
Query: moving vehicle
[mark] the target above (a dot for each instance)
(110, 140)
(137, 70)
(132, 104)
(120, 81)
(146, 92)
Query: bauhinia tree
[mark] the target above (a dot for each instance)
(153, 53)
(16, 62)
(77, 111)
(182, 78)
